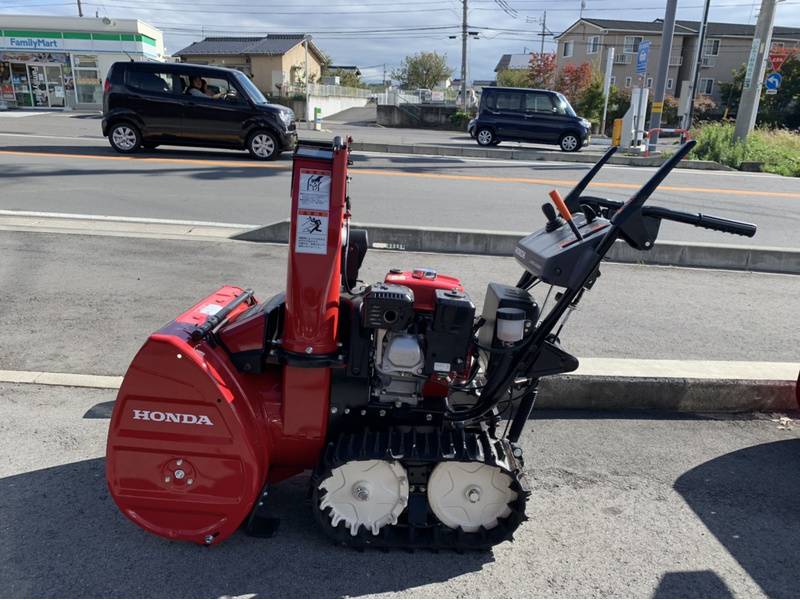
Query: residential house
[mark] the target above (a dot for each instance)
(726, 48)
(274, 62)
(513, 62)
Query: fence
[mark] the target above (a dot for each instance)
(659, 130)
(324, 91)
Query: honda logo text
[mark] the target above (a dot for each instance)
(168, 417)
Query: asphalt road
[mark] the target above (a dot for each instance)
(207, 185)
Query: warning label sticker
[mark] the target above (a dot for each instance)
(312, 232)
(314, 190)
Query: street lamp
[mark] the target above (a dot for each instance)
(306, 39)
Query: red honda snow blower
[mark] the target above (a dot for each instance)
(405, 405)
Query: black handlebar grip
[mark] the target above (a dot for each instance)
(726, 225)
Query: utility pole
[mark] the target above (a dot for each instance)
(751, 92)
(464, 59)
(663, 69)
(701, 41)
(544, 22)
(607, 89)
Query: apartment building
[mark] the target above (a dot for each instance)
(726, 48)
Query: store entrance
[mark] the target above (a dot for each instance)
(46, 85)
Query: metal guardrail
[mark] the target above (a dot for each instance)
(647, 143)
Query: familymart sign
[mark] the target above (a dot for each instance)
(30, 43)
(72, 41)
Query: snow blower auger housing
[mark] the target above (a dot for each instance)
(405, 405)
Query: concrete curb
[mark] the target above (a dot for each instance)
(677, 393)
(674, 385)
(497, 243)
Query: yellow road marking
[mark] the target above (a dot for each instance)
(253, 164)
(571, 183)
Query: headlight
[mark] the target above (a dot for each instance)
(586, 123)
(287, 116)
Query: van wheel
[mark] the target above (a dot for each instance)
(262, 145)
(125, 138)
(570, 142)
(485, 137)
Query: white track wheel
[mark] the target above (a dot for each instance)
(371, 493)
(469, 495)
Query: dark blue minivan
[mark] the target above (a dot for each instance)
(527, 115)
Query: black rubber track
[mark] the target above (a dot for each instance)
(415, 449)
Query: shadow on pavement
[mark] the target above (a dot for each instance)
(165, 153)
(692, 584)
(64, 538)
(750, 500)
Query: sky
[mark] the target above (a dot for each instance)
(377, 35)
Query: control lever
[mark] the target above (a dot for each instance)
(562, 208)
(553, 220)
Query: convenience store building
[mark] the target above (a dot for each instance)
(61, 62)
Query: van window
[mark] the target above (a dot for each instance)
(510, 101)
(250, 88)
(149, 81)
(213, 85)
(538, 103)
(564, 107)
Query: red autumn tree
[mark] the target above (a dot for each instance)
(572, 80)
(542, 70)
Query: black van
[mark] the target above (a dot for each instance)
(527, 115)
(147, 103)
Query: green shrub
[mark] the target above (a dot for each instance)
(778, 149)
(459, 119)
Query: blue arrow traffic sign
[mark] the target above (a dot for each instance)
(774, 81)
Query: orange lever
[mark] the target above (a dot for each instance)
(562, 208)
(559, 202)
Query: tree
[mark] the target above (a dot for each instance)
(542, 69)
(591, 100)
(781, 109)
(731, 92)
(573, 79)
(423, 70)
(513, 78)
(348, 78)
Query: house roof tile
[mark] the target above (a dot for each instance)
(269, 45)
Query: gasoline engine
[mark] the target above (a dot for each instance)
(405, 406)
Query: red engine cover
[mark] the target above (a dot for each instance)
(424, 283)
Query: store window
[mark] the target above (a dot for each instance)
(6, 83)
(85, 79)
